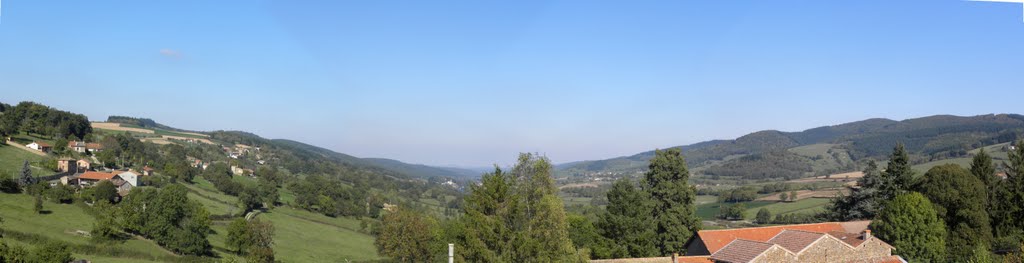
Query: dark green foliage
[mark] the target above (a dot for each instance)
(731, 211)
(585, 235)
(249, 199)
(26, 178)
(267, 191)
(406, 236)
(983, 169)
(13, 253)
(675, 216)
(168, 217)
(960, 200)
(38, 207)
(797, 218)
(763, 216)
(220, 175)
(515, 217)
(898, 175)
(105, 228)
(51, 252)
(772, 164)
(1007, 211)
(61, 194)
(238, 235)
(30, 117)
(9, 185)
(329, 197)
(876, 188)
(911, 224)
(742, 194)
(104, 191)
(628, 222)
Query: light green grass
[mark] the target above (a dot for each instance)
(807, 205)
(301, 236)
(709, 210)
(213, 206)
(705, 199)
(12, 158)
(920, 169)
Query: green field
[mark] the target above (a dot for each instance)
(63, 223)
(302, 236)
(708, 211)
(808, 205)
(920, 169)
(12, 158)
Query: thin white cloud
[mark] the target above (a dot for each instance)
(170, 53)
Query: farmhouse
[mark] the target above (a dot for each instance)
(94, 147)
(40, 146)
(839, 242)
(83, 165)
(78, 146)
(67, 165)
(147, 171)
(91, 178)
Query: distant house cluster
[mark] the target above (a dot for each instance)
(832, 242)
(80, 174)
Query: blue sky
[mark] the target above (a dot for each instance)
(473, 83)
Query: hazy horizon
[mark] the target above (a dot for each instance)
(473, 84)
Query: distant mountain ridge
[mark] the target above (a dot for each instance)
(932, 137)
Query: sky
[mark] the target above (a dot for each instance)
(473, 83)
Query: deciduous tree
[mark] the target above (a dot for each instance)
(911, 224)
(960, 200)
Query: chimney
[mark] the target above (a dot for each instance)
(867, 234)
(675, 257)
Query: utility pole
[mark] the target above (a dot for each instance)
(451, 253)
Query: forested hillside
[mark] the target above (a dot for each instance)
(927, 139)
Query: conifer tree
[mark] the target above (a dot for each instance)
(627, 221)
(675, 218)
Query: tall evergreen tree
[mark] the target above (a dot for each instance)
(961, 201)
(627, 221)
(1007, 211)
(862, 202)
(898, 175)
(911, 224)
(26, 175)
(983, 169)
(675, 218)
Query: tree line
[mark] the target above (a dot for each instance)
(948, 214)
(516, 216)
(31, 117)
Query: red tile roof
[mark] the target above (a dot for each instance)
(93, 146)
(43, 144)
(850, 238)
(717, 239)
(795, 240)
(688, 259)
(96, 176)
(741, 250)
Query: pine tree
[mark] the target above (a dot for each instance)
(26, 175)
(627, 221)
(911, 224)
(862, 202)
(983, 169)
(1007, 211)
(675, 216)
(898, 175)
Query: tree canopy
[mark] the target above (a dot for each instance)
(910, 224)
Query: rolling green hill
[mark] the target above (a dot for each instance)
(827, 149)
